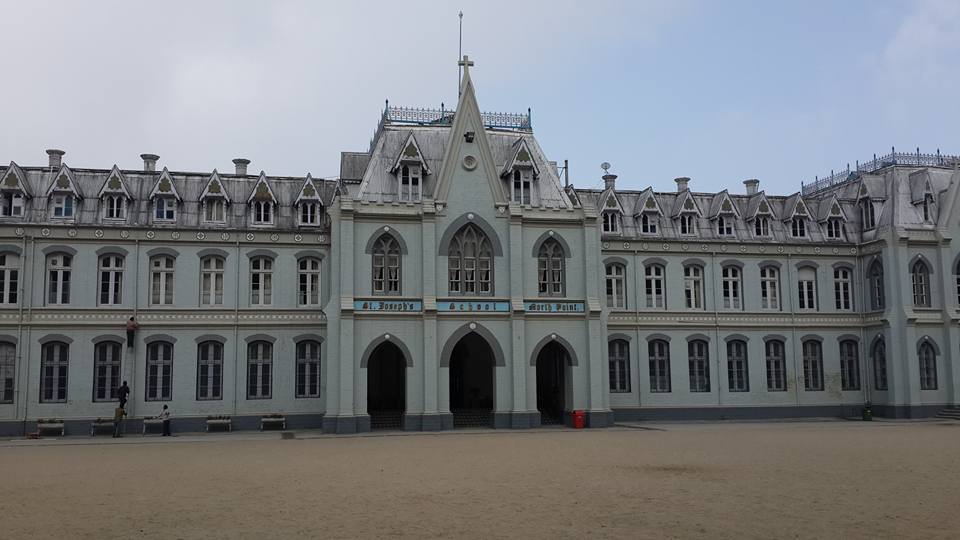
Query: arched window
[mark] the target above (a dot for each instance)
(209, 370)
(688, 225)
(159, 384)
(211, 280)
(738, 371)
(730, 276)
(58, 278)
(648, 224)
(653, 285)
(770, 287)
(618, 352)
(550, 268)
(106, 370)
(54, 365)
(8, 368)
(308, 369)
(880, 365)
(259, 370)
(869, 219)
(843, 288)
(658, 351)
(798, 228)
(616, 285)
(812, 366)
(386, 265)
(876, 285)
(724, 226)
(807, 288)
(261, 281)
(409, 183)
(693, 286)
(928, 366)
(9, 278)
(956, 278)
(308, 280)
(111, 280)
(776, 366)
(470, 263)
(699, 364)
(262, 212)
(920, 279)
(521, 186)
(161, 280)
(761, 226)
(611, 222)
(849, 365)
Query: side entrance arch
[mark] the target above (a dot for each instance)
(553, 359)
(386, 386)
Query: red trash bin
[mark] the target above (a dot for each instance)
(579, 420)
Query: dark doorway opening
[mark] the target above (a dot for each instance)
(471, 382)
(551, 383)
(386, 387)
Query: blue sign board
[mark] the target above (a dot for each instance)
(446, 305)
(392, 306)
(554, 307)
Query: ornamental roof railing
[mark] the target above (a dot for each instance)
(910, 159)
(444, 117)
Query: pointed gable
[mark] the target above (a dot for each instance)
(478, 155)
(164, 186)
(920, 186)
(114, 184)
(410, 153)
(830, 208)
(262, 191)
(722, 204)
(610, 202)
(214, 188)
(647, 203)
(64, 182)
(686, 204)
(758, 205)
(795, 206)
(521, 158)
(15, 180)
(308, 192)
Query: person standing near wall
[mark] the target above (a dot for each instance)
(123, 392)
(165, 416)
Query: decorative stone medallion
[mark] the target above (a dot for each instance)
(473, 326)
(470, 215)
(72, 233)
(704, 247)
(19, 231)
(798, 249)
(250, 237)
(274, 237)
(502, 209)
(124, 234)
(665, 246)
(386, 228)
(386, 336)
(175, 235)
(45, 231)
(439, 207)
(853, 251)
(779, 249)
(626, 245)
(817, 250)
(723, 248)
(743, 248)
(762, 249)
(298, 238)
(151, 235)
(550, 233)
(224, 236)
(201, 235)
(606, 245)
(469, 163)
(836, 251)
(98, 233)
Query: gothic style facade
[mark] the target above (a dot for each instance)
(451, 277)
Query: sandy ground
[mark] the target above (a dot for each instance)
(746, 480)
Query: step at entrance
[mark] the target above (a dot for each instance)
(385, 419)
(952, 413)
(472, 418)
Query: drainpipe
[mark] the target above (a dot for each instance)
(236, 329)
(19, 369)
(864, 346)
(716, 318)
(793, 331)
(136, 313)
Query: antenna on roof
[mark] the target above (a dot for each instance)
(460, 54)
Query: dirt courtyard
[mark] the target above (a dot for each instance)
(720, 480)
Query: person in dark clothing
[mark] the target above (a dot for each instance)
(123, 392)
(132, 327)
(118, 415)
(165, 416)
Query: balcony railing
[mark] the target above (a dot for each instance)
(443, 116)
(910, 159)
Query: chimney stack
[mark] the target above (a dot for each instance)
(609, 181)
(241, 166)
(753, 186)
(682, 183)
(149, 162)
(56, 157)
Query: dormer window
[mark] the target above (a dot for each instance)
(798, 228)
(165, 209)
(409, 183)
(611, 222)
(648, 224)
(521, 186)
(114, 207)
(869, 219)
(834, 229)
(11, 204)
(761, 226)
(724, 226)
(262, 212)
(215, 211)
(927, 209)
(688, 225)
(310, 213)
(63, 206)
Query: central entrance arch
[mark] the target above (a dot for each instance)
(472, 366)
(386, 386)
(553, 359)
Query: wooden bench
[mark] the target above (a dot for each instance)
(50, 424)
(101, 424)
(273, 422)
(219, 421)
(152, 422)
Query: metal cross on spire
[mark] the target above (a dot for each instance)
(465, 65)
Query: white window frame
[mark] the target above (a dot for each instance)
(843, 288)
(215, 210)
(521, 184)
(732, 290)
(114, 207)
(724, 226)
(309, 213)
(698, 365)
(688, 225)
(9, 279)
(648, 224)
(761, 227)
(165, 209)
(693, 286)
(162, 277)
(798, 227)
(774, 351)
(110, 284)
(654, 275)
(409, 185)
(835, 229)
(616, 285)
(658, 360)
(59, 273)
(54, 372)
(63, 206)
(12, 204)
(262, 212)
(261, 281)
(869, 215)
(770, 288)
(920, 284)
(107, 356)
(806, 290)
(611, 222)
(308, 281)
(158, 375)
(212, 272)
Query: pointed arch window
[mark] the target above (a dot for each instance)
(9, 278)
(386, 266)
(11, 204)
(880, 365)
(868, 214)
(849, 365)
(658, 352)
(470, 263)
(114, 206)
(611, 222)
(409, 187)
(106, 370)
(876, 285)
(54, 367)
(698, 359)
(8, 368)
(616, 285)
(920, 281)
(693, 286)
(618, 356)
(521, 186)
(648, 223)
(550, 269)
(834, 229)
(738, 373)
(928, 366)
(769, 288)
(688, 225)
(776, 366)
(263, 212)
(724, 226)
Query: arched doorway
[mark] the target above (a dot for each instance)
(471, 382)
(551, 383)
(386, 386)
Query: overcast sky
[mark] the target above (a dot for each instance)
(718, 91)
